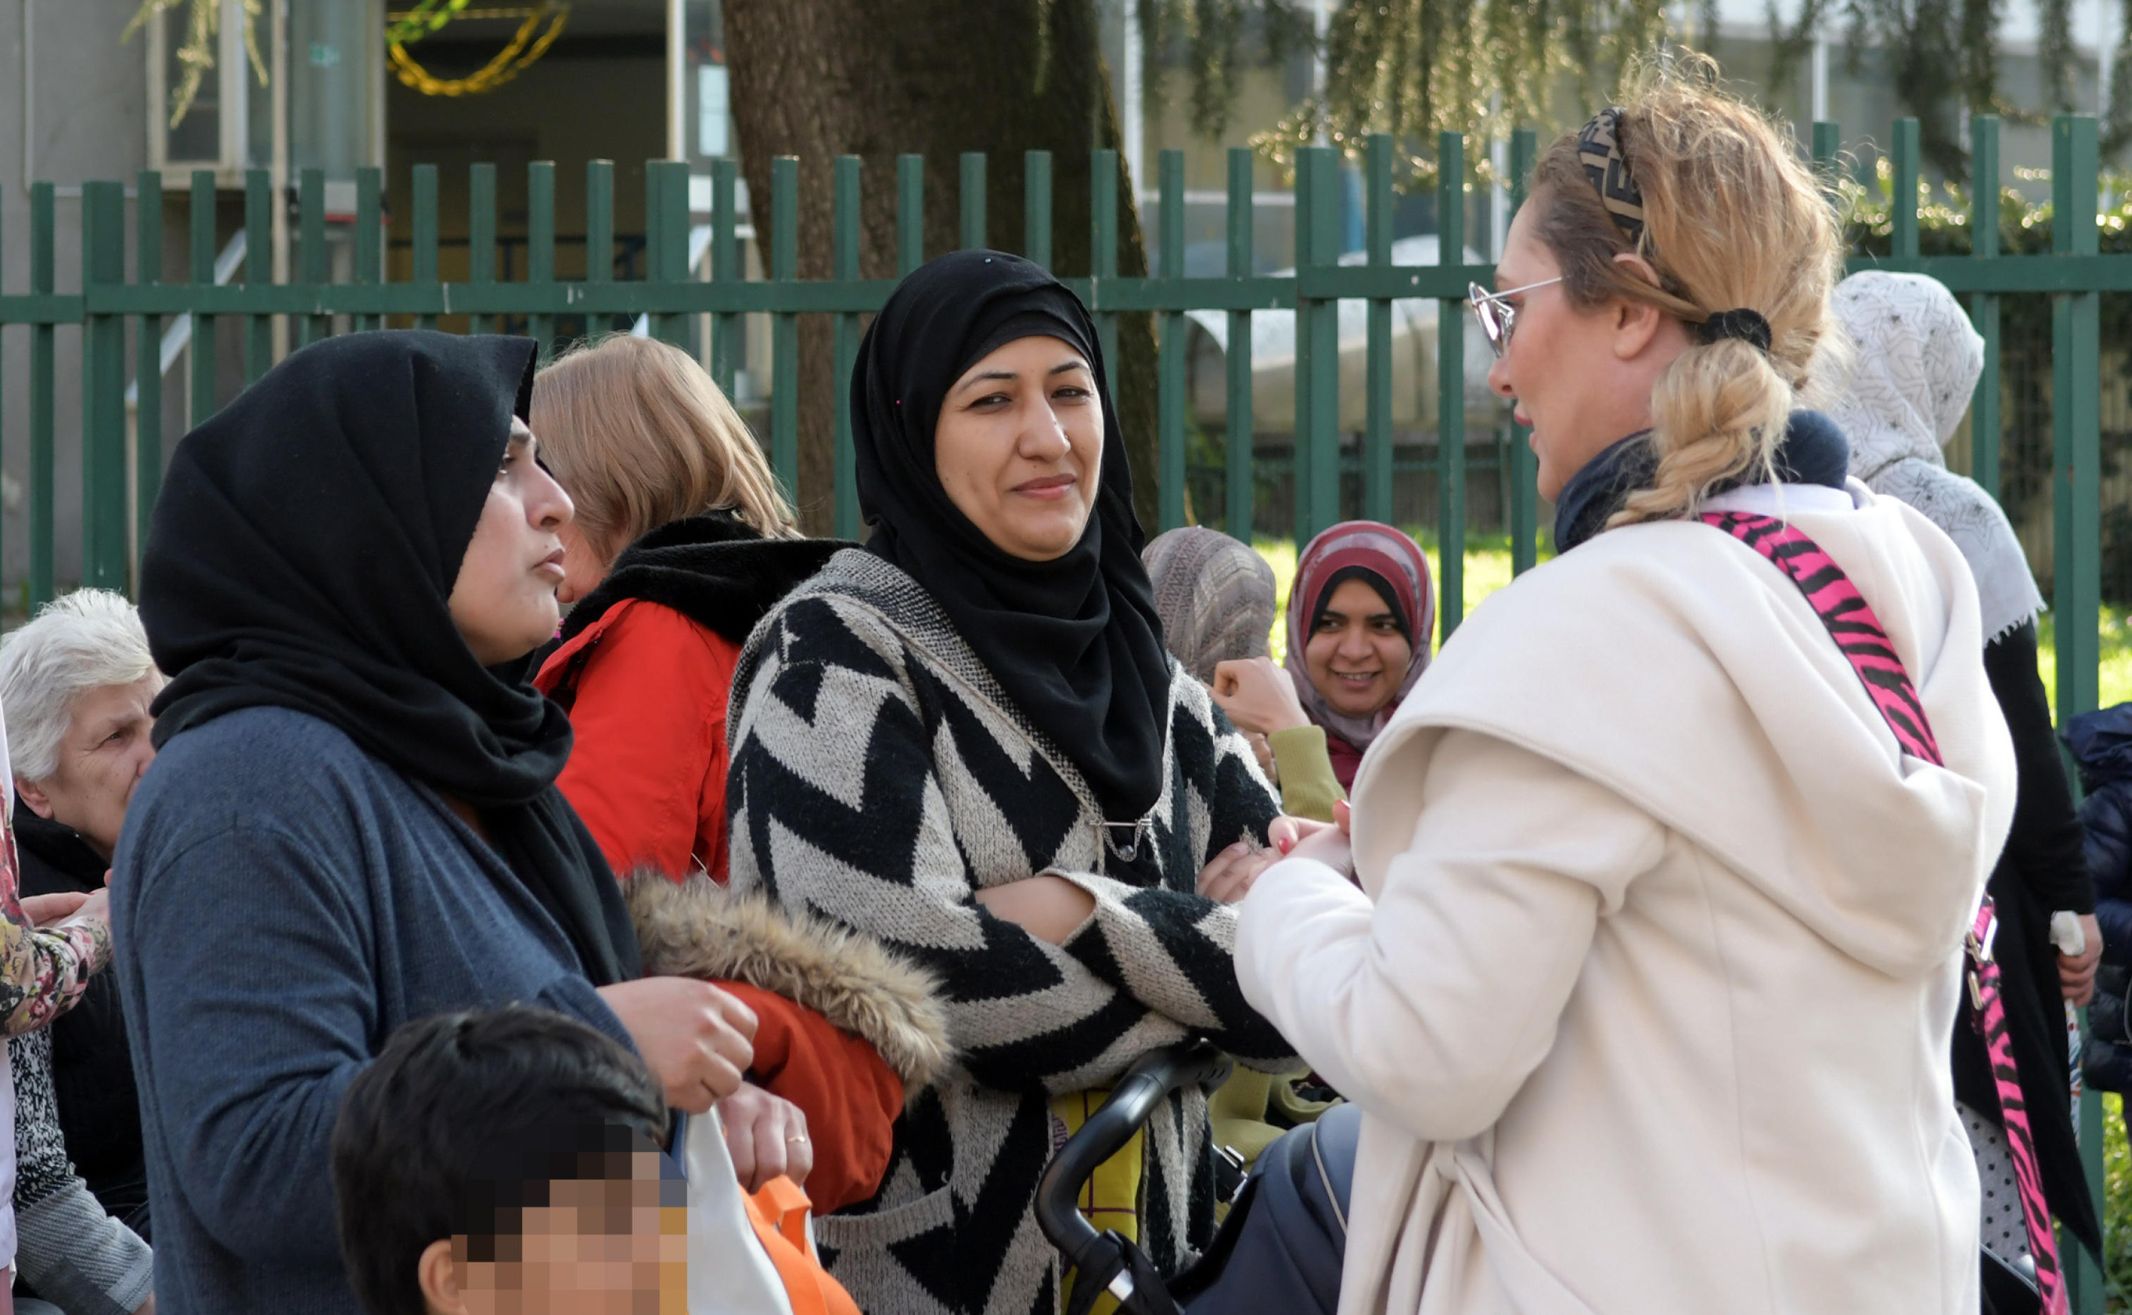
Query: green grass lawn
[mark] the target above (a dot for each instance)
(2116, 667)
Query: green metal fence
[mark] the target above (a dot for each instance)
(2072, 277)
(669, 296)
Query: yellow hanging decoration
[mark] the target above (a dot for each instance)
(527, 47)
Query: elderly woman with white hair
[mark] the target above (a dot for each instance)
(75, 685)
(50, 946)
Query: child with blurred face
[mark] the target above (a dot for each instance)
(507, 1163)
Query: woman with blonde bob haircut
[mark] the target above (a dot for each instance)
(1665, 868)
(681, 543)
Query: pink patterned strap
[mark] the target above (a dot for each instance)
(1988, 1011)
(1850, 621)
(1858, 632)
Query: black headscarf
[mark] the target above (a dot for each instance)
(713, 568)
(302, 556)
(1075, 641)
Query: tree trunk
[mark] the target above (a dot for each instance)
(881, 78)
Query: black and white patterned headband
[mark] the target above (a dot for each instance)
(1599, 151)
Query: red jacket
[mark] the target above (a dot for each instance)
(646, 690)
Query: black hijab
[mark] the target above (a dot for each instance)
(713, 568)
(302, 556)
(1075, 642)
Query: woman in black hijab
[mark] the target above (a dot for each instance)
(353, 820)
(966, 740)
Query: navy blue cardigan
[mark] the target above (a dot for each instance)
(281, 902)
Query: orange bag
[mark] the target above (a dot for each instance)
(749, 1254)
(779, 1214)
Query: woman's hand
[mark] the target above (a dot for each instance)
(1258, 696)
(766, 1135)
(696, 1039)
(43, 910)
(1228, 878)
(2076, 972)
(1326, 842)
(94, 907)
(1262, 749)
(1048, 907)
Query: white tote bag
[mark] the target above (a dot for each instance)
(729, 1273)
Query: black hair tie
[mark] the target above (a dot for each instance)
(1746, 325)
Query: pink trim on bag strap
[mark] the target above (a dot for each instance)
(1858, 632)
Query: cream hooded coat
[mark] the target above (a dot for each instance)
(1647, 990)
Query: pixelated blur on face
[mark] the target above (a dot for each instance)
(612, 1243)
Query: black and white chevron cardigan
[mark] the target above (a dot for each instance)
(879, 776)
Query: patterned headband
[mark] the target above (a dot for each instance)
(1599, 151)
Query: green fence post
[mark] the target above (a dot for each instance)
(2076, 421)
(258, 269)
(1103, 250)
(540, 252)
(1036, 207)
(1903, 210)
(658, 242)
(727, 347)
(311, 253)
(1524, 463)
(599, 225)
(1828, 149)
(481, 237)
(1317, 383)
(844, 267)
(666, 244)
(43, 387)
(369, 240)
(425, 234)
(103, 388)
(1451, 389)
(1377, 431)
(910, 213)
(784, 325)
(1241, 477)
(2076, 514)
(1984, 306)
(1170, 396)
(202, 235)
(147, 355)
(970, 196)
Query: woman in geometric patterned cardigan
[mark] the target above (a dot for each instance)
(966, 741)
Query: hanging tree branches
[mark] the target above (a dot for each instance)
(1414, 68)
(197, 55)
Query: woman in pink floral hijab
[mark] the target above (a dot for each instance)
(1360, 614)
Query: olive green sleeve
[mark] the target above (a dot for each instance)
(1308, 787)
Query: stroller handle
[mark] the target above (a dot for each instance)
(1152, 1078)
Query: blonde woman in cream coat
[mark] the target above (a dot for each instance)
(1647, 986)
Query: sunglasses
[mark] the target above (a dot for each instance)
(1497, 316)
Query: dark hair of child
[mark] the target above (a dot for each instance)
(462, 1122)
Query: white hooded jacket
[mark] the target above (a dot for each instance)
(1647, 990)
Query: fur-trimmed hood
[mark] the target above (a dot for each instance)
(697, 928)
